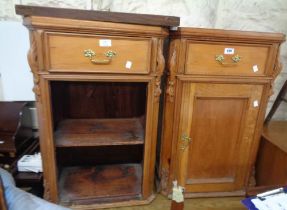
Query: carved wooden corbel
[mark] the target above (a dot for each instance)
(159, 70)
(277, 70)
(33, 63)
(171, 72)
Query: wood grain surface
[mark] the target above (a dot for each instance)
(213, 106)
(276, 133)
(84, 185)
(201, 59)
(65, 53)
(143, 19)
(99, 132)
(81, 90)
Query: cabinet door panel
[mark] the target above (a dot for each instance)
(220, 119)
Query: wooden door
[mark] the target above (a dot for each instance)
(215, 135)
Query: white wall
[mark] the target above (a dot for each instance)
(16, 79)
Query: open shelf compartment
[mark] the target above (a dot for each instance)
(98, 113)
(99, 132)
(100, 184)
(99, 136)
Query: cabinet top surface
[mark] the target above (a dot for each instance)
(118, 17)
(201, 33)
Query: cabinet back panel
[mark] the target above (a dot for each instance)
(86, 156)
(98, 100)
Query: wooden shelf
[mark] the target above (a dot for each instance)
(100, 184)
(99, 132)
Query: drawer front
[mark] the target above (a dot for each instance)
(226, 59)
(83, 53)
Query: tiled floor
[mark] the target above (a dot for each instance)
(161, 203)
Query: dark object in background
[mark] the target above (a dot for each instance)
(16, 138)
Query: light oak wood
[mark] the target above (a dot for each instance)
(229, 35)
(65, 82)
(201, 59)
(219, 120)
(213, 105)
(65, 53)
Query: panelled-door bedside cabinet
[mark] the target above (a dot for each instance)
(97, 82)
(217, 90)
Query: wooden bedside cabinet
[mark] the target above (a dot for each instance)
(97, 81)
(217, 90)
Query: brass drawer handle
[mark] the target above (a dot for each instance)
(235, 59)
(92, 56)
(185, 141)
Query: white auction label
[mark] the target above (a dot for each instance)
(255, 68)
(229, 51)
(105, 43)
(255, 103)
(129, 64)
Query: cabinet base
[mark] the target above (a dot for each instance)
(211, 194)
(115, 204)
(214, 194)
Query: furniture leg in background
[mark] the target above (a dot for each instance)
(271, 163)
(277, 102)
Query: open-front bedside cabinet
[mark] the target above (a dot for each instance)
(97, 85)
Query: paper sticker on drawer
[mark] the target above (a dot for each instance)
(105, 43)
(229, 51)
(255, 68)
(255, 103)
(129, 64)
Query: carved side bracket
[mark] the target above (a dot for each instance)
(277, 70)
(33, 63)
(172, 71)
(159, 70)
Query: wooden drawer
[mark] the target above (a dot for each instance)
(201, 59)
(66, 53)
